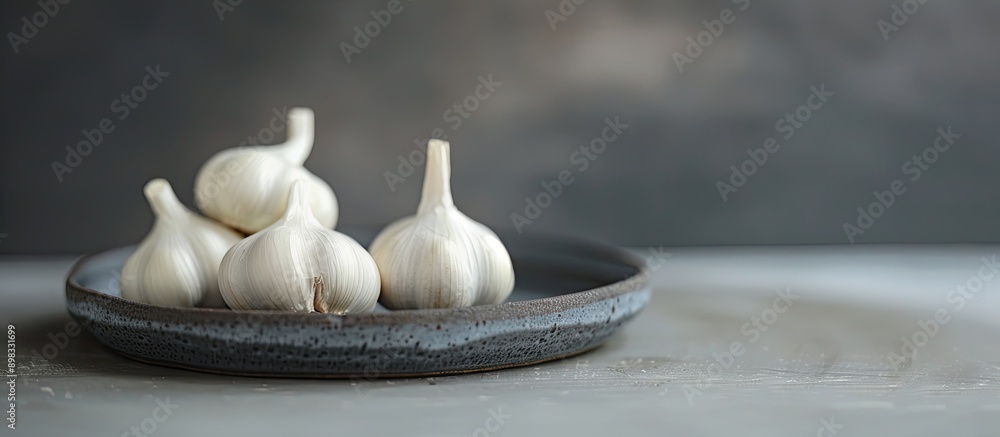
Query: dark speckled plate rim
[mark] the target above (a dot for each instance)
(335, 376)
(505, 310)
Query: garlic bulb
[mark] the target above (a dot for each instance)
(177, 264)
(247, 187)
(440, 258)
(297, 264)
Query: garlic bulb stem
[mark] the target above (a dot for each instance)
(177, 264)
(247, 187)
(437, 178)
(298, 207)
(164, 202)
(301, 134)
(439, 257)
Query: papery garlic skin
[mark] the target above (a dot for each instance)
(177, 264)
(440, 258)
(247, 187)
(297, 264)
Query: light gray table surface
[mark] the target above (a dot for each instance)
(821, 367)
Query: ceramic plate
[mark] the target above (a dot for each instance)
(570, 296)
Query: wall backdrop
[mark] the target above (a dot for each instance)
(738, 122)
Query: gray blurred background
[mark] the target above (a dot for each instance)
(656, 184)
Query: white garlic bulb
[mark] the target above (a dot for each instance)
(247, 187)
(177, 264)
(440, 258)
(297, 264)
